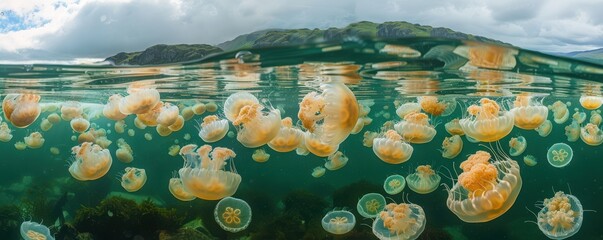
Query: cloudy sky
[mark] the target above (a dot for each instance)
(67, 29)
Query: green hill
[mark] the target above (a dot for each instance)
(595, 55)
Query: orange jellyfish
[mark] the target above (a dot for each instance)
(435, 107)
(179, 124)
(133, 179)
(545, 128)
(139, 100)
(400, 221)
(168, 114)
(595, 117)
(407, 108)
(5, 132)
(369, 136)
(45, 125)
(111, 109)
(560, 216)
(528, 112)
(591, 102)
(178, 191)
(149, 118)
(454, 128)
(34, 140)
(288, 137)
(560, 111)
(486, 122)
(391, 149)
(591, 134)
(79, 124)
(71, 110)
(254, 126)
(212, 129)
(415, 128)
(21, 109)
(424, 180)
(572, 131)
(124, 151)
(336, 161)
(260, 156)
(91, 162)
(452, 146)
(205, 177)
(235, 102)
(485, 190)
(198, 108)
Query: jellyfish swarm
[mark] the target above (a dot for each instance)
(486, 122)
(91, 162)
(35, 231)
(485, 190)
(213, 129)
(232, 214)
(560, 111)
(21, 109)
(424, 180)
(205, 177)
(560, 216)
(338, 222)
(572, 131)
(336, 161)
(288, 137)
(255, 127)
(336, 108)
(133, 179)
(178, 191)
(415, 128)
(391, 149)
(370, 205)
(591, 134)
(452, 146)
(517, 146)
(545, 128)
(591, 102)
(559, 155)
(528, 112)
(400, 221)
(394, 184)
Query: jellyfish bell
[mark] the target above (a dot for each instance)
(370, 205)
(21, 109)
(595, 117)
(591, 102)
(232, 214)
(391, 149)
(399, 221)
(71, 110)
(545, 128)
(530, 160)
(415, 128)
(425, 180)
(235, 102)
(487, 122)
(139, 100)
(407, 108)
(559, 155)
(528, 112)
(318, 171)
(560, 216)
(591, 134)
(91, 162)
(517, 145)
(394, 184)
(288, 138)
(260, 155)
(111, 109)
(212, 129)
(133, 179)
(452, 146)
(485, 190)
(560, 111)
(34, 140)
(178, 191)
(5, 132)
(35, 231)
(454, 128)
(435, 107)
(338, 222)
(255, 126)
(572, 131)
(124, 152)
(79, 124)
(336, 161)
(168, 114)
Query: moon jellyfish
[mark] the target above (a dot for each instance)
(370, 205)
(572, 131)
(560, 216)
(595, 117)
(591, 134)
(530, 160)
(232, 214)
(559, 155)
(435, 107)
(517, 145)
(391, 149)
(288, 137)
(407, 108)
(336, 161)
(79, 124)
(528, 112)
(205, 177)
(591, 102)
(260, 155)
(91, 162)
(139, 100)
(454, 128)
(452, 146)
(35, 231)
(124, 152)
(545, 128)
(21, 109)
(318, 171)
(213, 129)
(111, 109)
(424, 180)
(485, 190)
(34, 140)
(486, 122)
(560, 111)
(133, 179)
(415, 128)
(255, 126)
(400, 221)
(338, 222)
(394, 184)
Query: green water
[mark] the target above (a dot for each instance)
(287, 202)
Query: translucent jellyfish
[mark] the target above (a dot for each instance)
(79, 124)
(91, 162)
(595, 117)
(232, 214)
(111, 109)
(407, 108)
(35, 231)
(34, 140)
(560, 111)
(45, 125)
(213, 129)
(591, 134)
(579, 116)
(560, 216)
(5, 132)
(288, 137)
(394, 184)
(485, 190)
(139, 124)
(133, 179)
(452, 146)
(424, 180)
(139, 100)
(205, 177)
(368, 138)
(178, 124)
(149, 118)
(358, 126)
(545, 128)
(148, 136)
(336, 107)
(55, 150)
(54, 118)
(236, 102)
(198, 108)
(400, 221)
(163, 130)
(211, 107)
(120, 126)
(168, 114)
(178, 191)
(174, 150)
(528, 112)
(318, 171)
(517, 145)
(187, 113)
(103, 141)
(71, 110)
(572, 131)
(530, 160)
(255, 127)
(559, 155)
(435, 107)
(486, 122)
(131, 132)
(370, 205)
(391, 149)
(336, 161)
(20, 145)
(260, 155)
(21, 109)
(124, 152)
(591, 102)
(415, 128)
(454, 128)
(338, 222)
